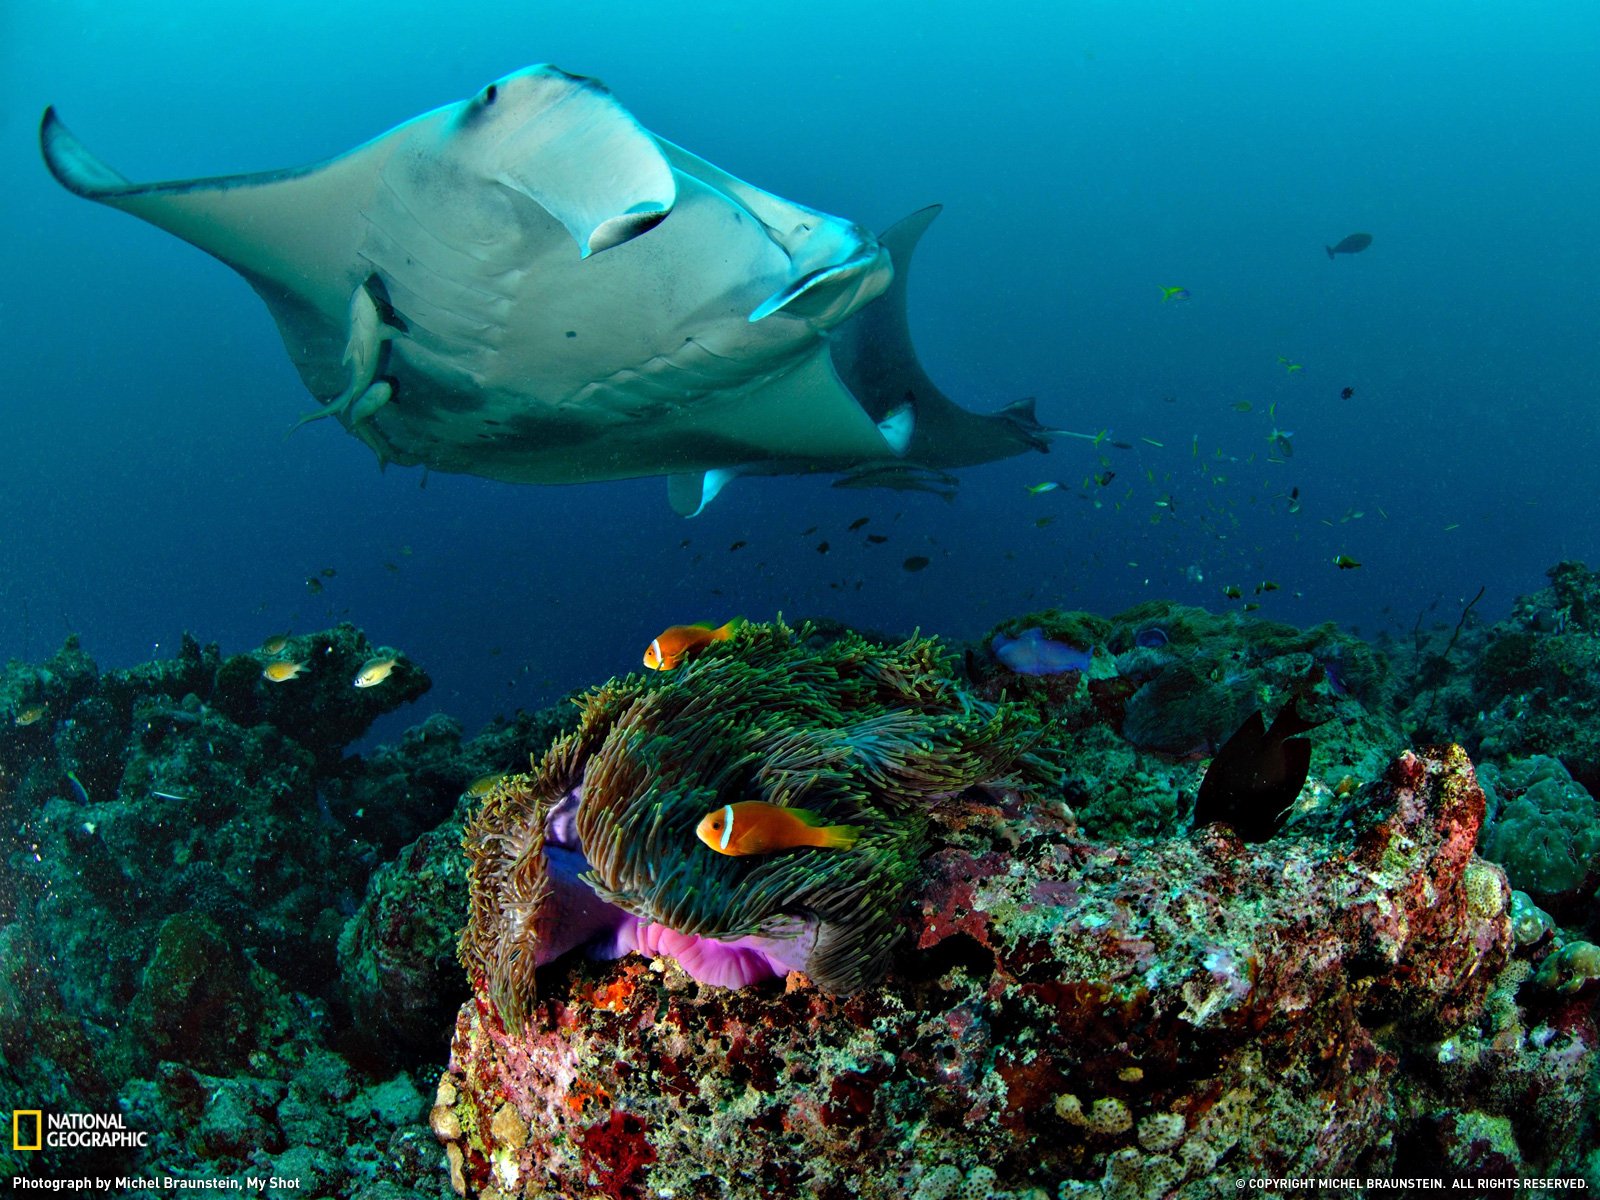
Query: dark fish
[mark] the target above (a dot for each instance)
(313, 585)
(822, 547)
(858, 523)
(1354, 244)
(877, 539)
(1347, 393)
(736, 546)
(1257, 775)
(808, 532)
(915, 563)
(327, 572)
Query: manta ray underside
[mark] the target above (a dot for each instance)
(529, 286)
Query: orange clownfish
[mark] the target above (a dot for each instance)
(756, 827)
(669, 651)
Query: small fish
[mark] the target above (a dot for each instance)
(1174, 293)
(1448, 528)
(877, 539)
(1294, 500)
(1242, 406)
(1166, 503)
(1347, 785)
(276, 644)
(1049, 485)
(1150, 442)
(79, 792)
(858, 523)
(29, 715)
(1289, 367)
(1354, 244)
(756, 827)
(375, 670)
(1233, 591)
(1252, 606)
(1043, 522)
(1344, 562)
(915, 563)
(483, 784)
(822, 547)
(1266, 585)
(283, 670)
(808, 532)
(1104, 478)
(314, 585)
(672, 646)
(327, 572)
(1345, 394)
(737, 546)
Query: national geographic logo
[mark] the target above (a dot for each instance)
(34, 1129)
(22, 1120)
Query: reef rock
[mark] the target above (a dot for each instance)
(1062, 1017)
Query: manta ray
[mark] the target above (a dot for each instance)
(529, 286)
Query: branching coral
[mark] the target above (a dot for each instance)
(857, 733)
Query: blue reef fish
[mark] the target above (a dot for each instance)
(1031, 653)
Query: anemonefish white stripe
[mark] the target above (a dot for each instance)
(727, 826)
(655, 648)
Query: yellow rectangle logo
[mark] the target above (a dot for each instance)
(38, 1128)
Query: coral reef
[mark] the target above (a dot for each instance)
(1524, 686)
(852, 732)
(1168, 684)
(222, 922)
(1102, 1019)
(1545, 831)
(185, 845)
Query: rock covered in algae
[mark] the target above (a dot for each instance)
(851, 732)
(1064, 1017)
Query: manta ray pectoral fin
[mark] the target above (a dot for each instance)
(74, 168)
(583, 158)
(689, 494)
(1025, 426)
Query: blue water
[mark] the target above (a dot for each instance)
(1087, 155)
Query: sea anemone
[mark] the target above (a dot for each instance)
(596, 846)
